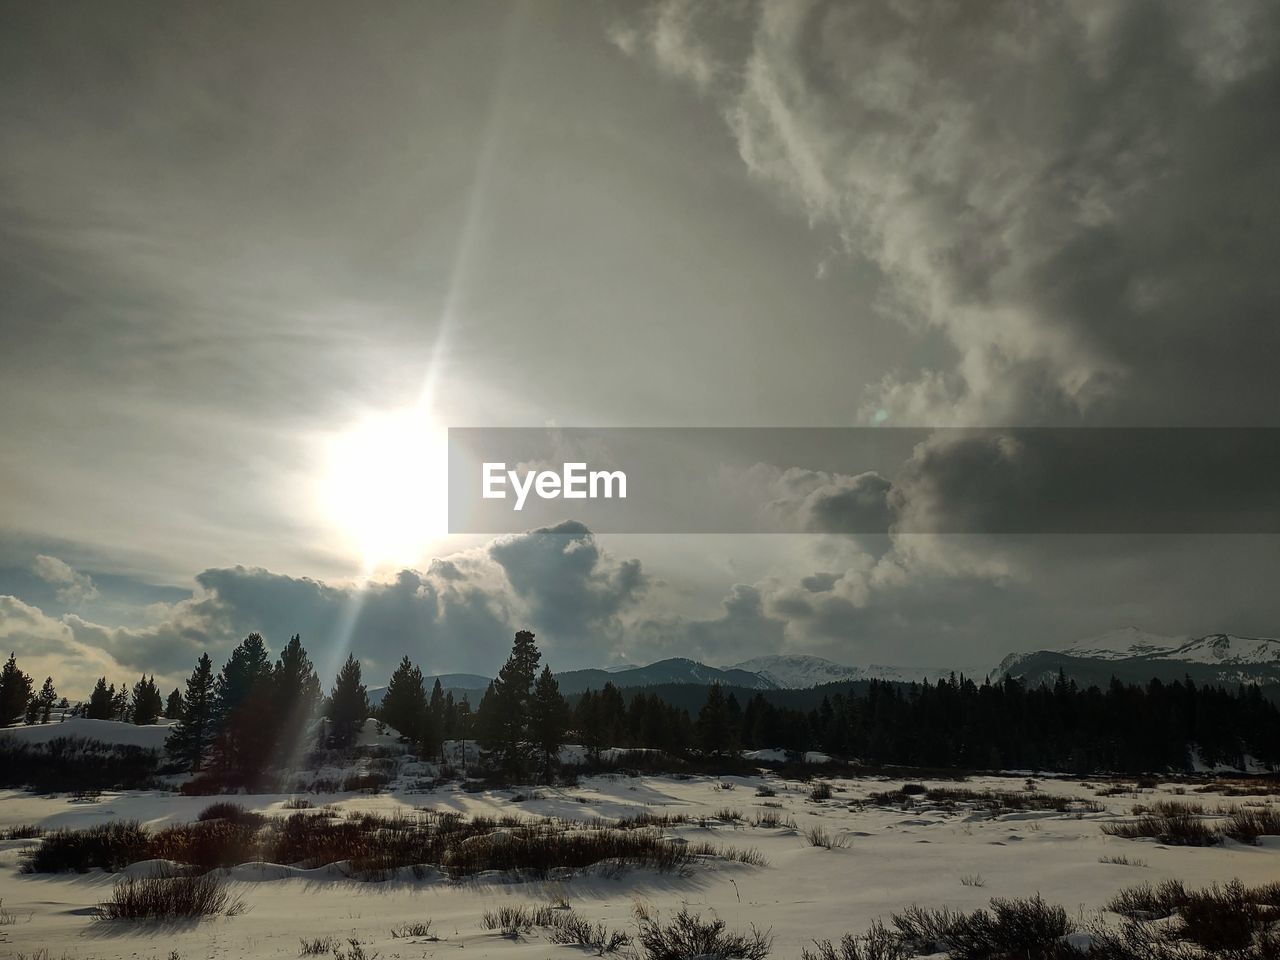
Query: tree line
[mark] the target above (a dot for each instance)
(959, 723)
(255, 714)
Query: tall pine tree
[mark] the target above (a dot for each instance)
(503, 723)
(48, 700)
(404, 705)
(146, 704)
(548, 720)
(716, 734)
(100, 701)
(244, 711)
(15, 692)
(348, 706)
(173, 706)
(296, 696)
(191, 737)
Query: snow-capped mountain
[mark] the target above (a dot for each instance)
(1122, 644)
(799, 672)
(1136, 656)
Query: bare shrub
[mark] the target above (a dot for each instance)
(110, 846)
(170, 898)
(317, 946)
(1145, 902)
(232, 813)
(687, 936)
(1246, 826)
(213, 843)
(513, 920)
(571, 928)
(822, 837)
(878, 943)
(422, 928)
(820, 791)
(772, 820)
(1171, 823)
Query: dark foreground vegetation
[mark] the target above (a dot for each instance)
(373, 847)
(1192, 825)
(67, 764)
(177, 897)
(1163, 923)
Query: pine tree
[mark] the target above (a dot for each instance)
(100, 701)
(244, 711)
(548, 720)
(504, 725)
(192, 735)
(48, 700)
(146, 704)
(404, 705)
(15, 692)
(120, 702)
(348, 706)
(297, 695)
(32, 713)
(715, 733)
(173, 706)
(438, 710)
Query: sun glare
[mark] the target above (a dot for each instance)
(386, 489)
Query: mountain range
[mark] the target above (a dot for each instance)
(1133, 655)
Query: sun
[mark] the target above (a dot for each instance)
(385, 487)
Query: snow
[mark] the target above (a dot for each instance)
(893, 858)
(1225, 648)
(150, 736)
(1123, 643)
(799, 671)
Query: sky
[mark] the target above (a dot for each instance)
(254, 260)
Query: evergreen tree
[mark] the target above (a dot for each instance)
(404, 705)
(716, 735)
(244, 711)
(120, 702)
(348, 706)
(548, 720)
(504, 722)
(15, 692)
(48, 700)
(32, 713)
(437, 708)
(100, 701)
(173, 706)
(146, 704)
(297, 695)
(190, 739)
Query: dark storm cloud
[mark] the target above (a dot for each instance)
(573, 591)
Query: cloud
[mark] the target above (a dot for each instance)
(73, 587)
(46, 647)
(570, 587)
(1054, 190)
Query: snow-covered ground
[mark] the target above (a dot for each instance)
(151, 736)
(891, 858)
